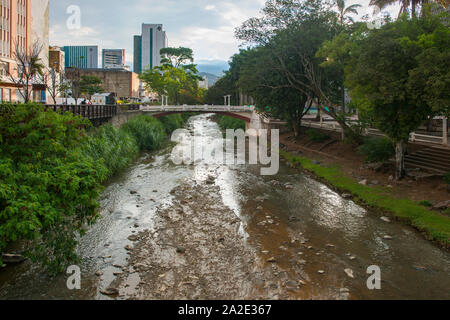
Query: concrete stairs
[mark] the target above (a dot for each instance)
(432, 159)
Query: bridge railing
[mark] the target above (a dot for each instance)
(90, 112)
(199, 108)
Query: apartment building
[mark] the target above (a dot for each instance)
(22, 23)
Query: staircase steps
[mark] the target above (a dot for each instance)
(431, 159)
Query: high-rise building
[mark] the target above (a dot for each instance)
(113, 59)
(147, 47)
(81, 57)
(22, 24)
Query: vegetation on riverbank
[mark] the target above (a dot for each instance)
(52, 167)
(226, 122)
(435, 226)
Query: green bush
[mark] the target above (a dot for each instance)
(48, 185)
(317, 136)
(115, 148)
(447, 178)
(51, 171)
(149, 132)
(425, 203)
(172, 122)
(377, 149)
(226, 122)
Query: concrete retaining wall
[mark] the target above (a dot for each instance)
(122, 118)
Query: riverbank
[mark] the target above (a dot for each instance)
(53, 168)
(435, 226)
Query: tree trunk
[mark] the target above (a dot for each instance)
(296, 127)
(400, 150)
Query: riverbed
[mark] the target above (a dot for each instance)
(214, 231)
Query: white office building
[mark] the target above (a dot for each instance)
(147, 47)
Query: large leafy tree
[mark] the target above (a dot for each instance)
(406, 5)
(273, 95)
(294, 31)
(177, 77)
(383, 77)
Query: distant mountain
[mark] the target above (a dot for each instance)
(215, 67)
(212, 78)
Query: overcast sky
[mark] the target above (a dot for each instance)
(206, 26)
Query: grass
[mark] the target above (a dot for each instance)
(435, 226)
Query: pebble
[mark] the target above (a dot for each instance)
(349, 273)
(110, 292)
(387, 237)
(272, 260)
(181, 250)
(133, 192)
(385, 219)
(321, 272)
(99, 273)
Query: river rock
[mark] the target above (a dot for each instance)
(12, 258)
(321, 272)
(442, 205)
(386, 237)
(133, 238)
(272, 260)
(99, 273)
(385, 219)
(346, 196)
(349, 273)
(110, 292)
(363, 182)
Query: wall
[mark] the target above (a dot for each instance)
(123, 117)
(124, 83)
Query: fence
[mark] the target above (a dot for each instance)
(91, 112)
(414, 137)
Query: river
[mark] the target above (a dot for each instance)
(242, 236)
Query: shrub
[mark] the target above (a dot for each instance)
(115, 148)
(377, 149)
(317, 136)
(148, 132)
(172, 122)
(226, 122)
(48, 185)
(447, 178)
(425, 203)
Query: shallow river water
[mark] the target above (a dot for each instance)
(333, 234)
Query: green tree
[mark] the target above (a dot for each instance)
(384, 84)
(90, 85)
(345, 11)
(176, 77)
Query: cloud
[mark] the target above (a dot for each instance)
(207, 26)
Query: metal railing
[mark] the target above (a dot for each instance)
(199, 108)
(414, 137)
(90, 112)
